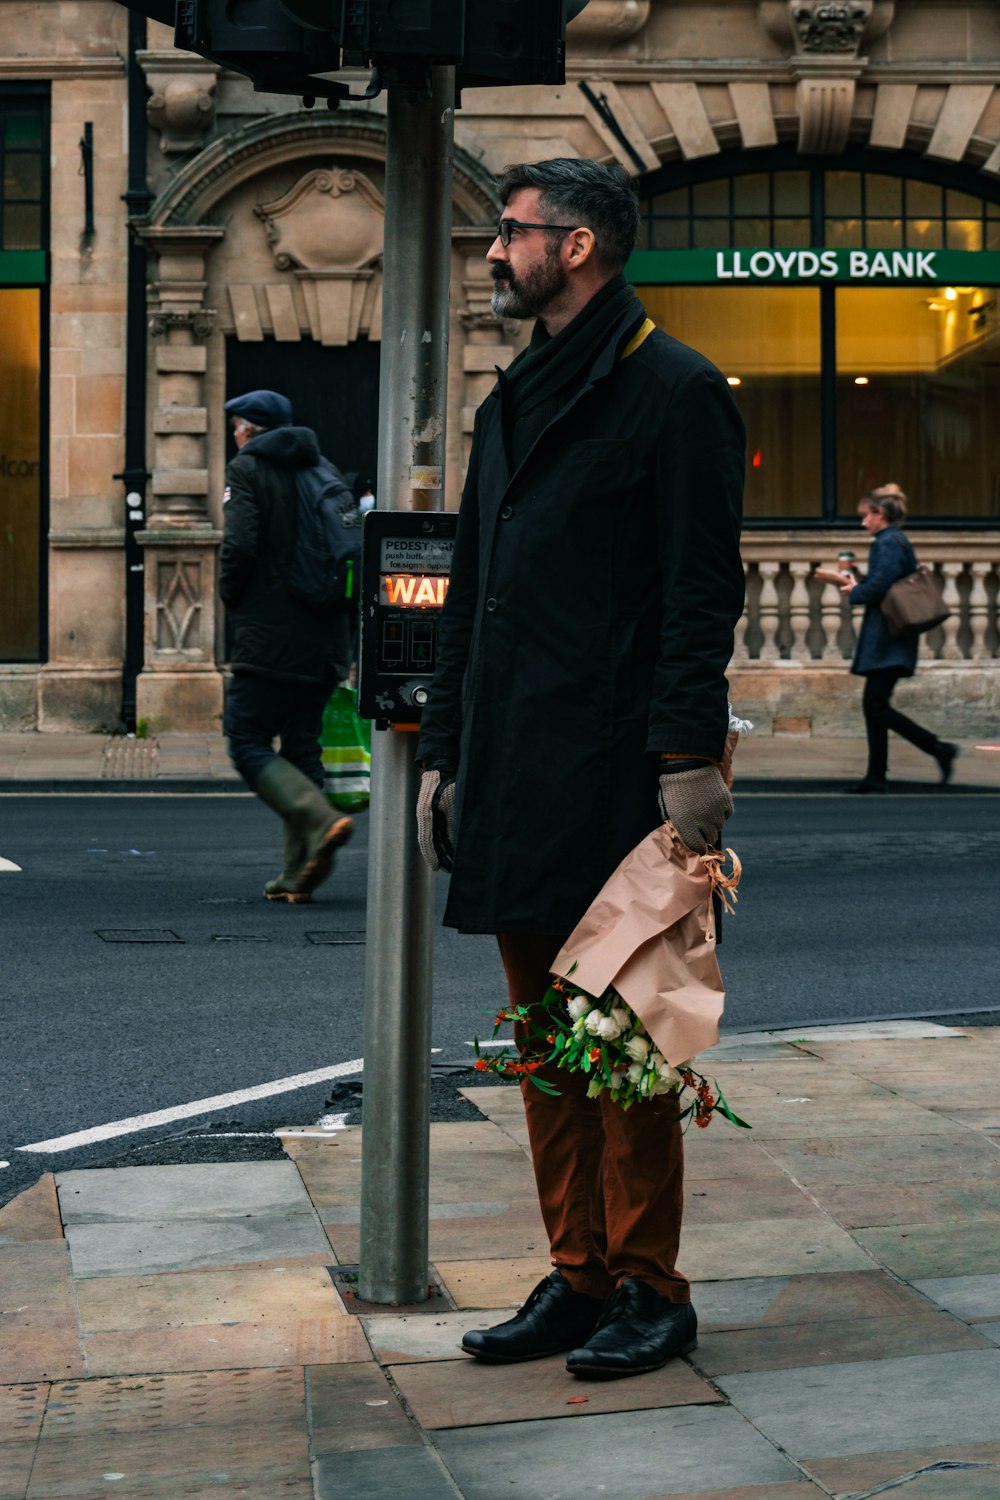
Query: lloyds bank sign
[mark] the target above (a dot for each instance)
(798, 267)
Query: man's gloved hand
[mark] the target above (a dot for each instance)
(697, 802)
(436, 817)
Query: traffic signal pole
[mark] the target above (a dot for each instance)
(398, 984)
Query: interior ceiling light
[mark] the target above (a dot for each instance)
(951, 295)
(733, 380)
(861, 380)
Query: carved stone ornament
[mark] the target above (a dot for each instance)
(181, 104)
(602, 23)
(831, 25)
(333, 219)
(200, 321)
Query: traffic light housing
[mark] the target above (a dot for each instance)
(283, 45)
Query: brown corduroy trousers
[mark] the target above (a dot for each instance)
(610, 1181)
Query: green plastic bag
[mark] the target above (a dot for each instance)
(346, 741)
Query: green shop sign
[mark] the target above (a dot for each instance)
(794, 267)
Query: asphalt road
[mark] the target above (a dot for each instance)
(848, 910)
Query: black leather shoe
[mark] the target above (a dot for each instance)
(866, 788)
(554, 1319)
(640, 1331)
(946, 758)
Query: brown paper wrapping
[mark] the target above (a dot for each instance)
(651, 933)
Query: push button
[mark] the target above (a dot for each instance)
(507, 512)
(491, 605)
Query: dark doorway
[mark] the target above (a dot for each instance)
(332, 390)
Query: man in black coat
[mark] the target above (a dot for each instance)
(580, 697)
(285, 656)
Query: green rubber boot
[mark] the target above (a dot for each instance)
(283, 887)
(310, 818)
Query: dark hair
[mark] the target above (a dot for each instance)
(583, 192)
(892, 506)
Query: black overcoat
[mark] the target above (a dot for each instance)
(588, 626)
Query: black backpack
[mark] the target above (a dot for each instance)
(325, 567)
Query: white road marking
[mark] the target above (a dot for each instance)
(501, 1042)
(197, 1107)
(8, 864)
(4, 1164)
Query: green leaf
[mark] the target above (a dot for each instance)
(585, 1062)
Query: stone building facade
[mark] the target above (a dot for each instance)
(864, 134)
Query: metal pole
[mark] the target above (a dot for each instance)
(413, 382)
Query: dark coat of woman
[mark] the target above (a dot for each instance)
(273, 634)
(891, 557)
(587, 628)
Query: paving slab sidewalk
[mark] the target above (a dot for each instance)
(199, 762)
(176, 1331)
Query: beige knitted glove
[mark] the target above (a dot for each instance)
(436, 818)
(697, 803)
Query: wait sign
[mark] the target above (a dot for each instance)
(795, 267)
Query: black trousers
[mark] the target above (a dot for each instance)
(880, 717)
(260, 710)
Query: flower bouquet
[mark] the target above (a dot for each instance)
(637, 990)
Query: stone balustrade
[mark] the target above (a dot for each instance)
(791, 616)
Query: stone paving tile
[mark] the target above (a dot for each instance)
(730, 1201)
(919, 1251)
(796, 1346)
(352, 1408)
(957, 1155)
(228, 1434)
(261, 1292)
(729, 1155)
(383, 1474)
(846, 1476)
(466, 1393)
(22, 1408)
(492, 1283)
(989, 1331)
(334, 1339)
(967, 1297)
(135, 1249)
(517, 1233)
(824, 1119)
(612, 1457)
(869, 1205)
(795, 1489)
(39, 1339)
(232, 1189)
(398, 1340)
(797, 1301)
(838, 1410)
(763, 1247)
(32, 1215)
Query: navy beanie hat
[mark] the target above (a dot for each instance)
(262, 408)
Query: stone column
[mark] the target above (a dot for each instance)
(180, 686)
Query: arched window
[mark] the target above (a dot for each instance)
(853, 307)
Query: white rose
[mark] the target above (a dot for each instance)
(578, 1007)
(622, 1018)
(668, 1075)
(638, 1050)
(636, 1071)
(659, 1085)
(608, 1029)
(617, 1078)
(593, 1022)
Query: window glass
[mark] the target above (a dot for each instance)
(22, 174)
(924, 234)
(927, 415)
(22, 226)
(924, 200)
(749, 232)
(883, 196)
(964, 234)
(752, 194)
(20, 492)
(791, 232)
(843, 234)
(671, 203)
(962, 205)
(768, 340)
(22, 126)
(711, 197)
(884, 234)
(843, 194)
(712, 234)
(791, 193)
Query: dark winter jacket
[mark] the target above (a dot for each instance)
(587, 627)
(273, 634)
(891, 557)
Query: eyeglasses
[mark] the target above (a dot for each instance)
(506, 228)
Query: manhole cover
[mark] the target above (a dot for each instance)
(342, 938)
(138, 935)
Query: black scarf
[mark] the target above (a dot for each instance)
(545, 376)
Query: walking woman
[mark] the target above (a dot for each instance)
(880, 659)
